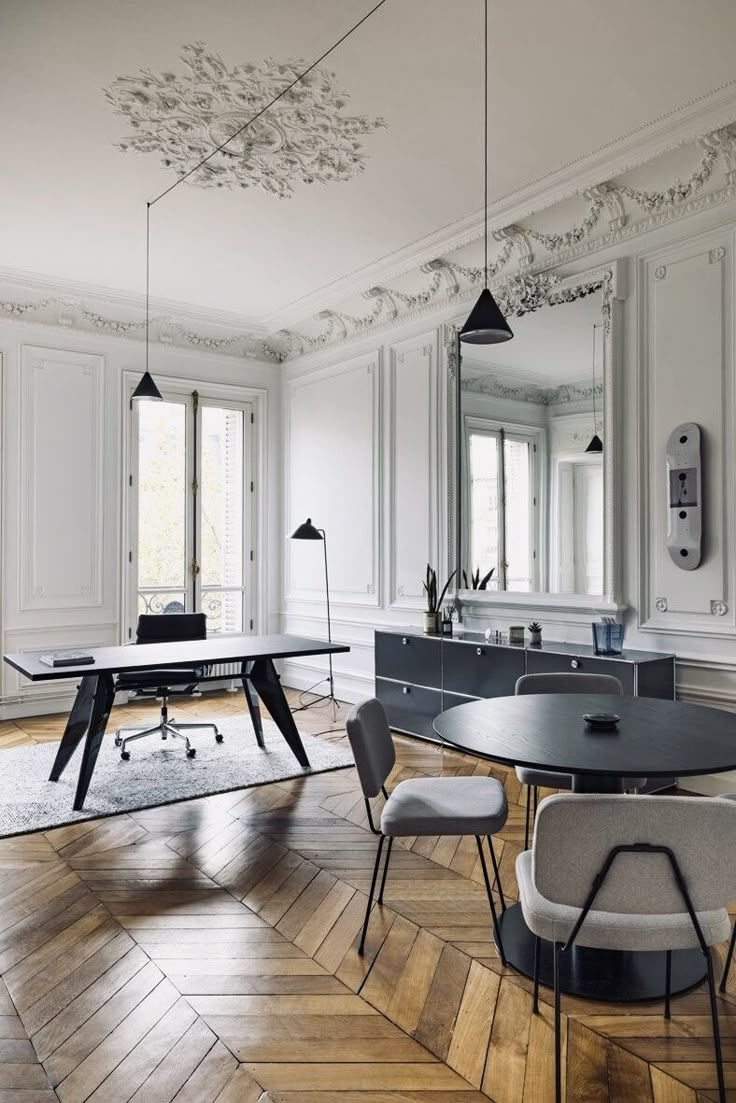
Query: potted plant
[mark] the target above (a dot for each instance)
(535, 633)
(431, 616)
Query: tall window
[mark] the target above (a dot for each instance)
(502, 507)
(190, 509)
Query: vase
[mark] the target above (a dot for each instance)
(431, 622)
(535, 639)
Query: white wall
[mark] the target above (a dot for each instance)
(675, 363)
(61, 553)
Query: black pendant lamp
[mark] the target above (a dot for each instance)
(485, 325)
(596, 444)
(147, 388)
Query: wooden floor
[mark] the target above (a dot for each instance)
(207, 951)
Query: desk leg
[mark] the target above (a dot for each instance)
(76, 725)
(267, 685)
(251, 700)
(104, 697)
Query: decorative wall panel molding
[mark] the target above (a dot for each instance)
(61, 537)
(333, 420)
(305, 138)
(413, 497)
(672, 358)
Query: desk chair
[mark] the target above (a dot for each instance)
(638, 873)
(561, 683)
(422, 805)
(164, 683)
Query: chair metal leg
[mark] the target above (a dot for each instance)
(558, 1038)
(536, 803)
(496, 928)
(667, 983)
(537, 956)
(496, 874)
(528, 813)
(385, 868)
(716, 1028)
(729, 959)
(361, 948)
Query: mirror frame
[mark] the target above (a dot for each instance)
(518, 296)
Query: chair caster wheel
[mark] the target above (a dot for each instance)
(219, 738)
(191, 752)
(125, 755)
(118, 741)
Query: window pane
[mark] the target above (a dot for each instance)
(224, 610)
(222, 495)
(517, 474)
(161, 495)
(483, 466)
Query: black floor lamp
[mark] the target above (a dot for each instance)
(308, 531)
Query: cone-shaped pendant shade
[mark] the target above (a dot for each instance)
(306, 531)
(147, 388)
(596, 444)
(486, 324)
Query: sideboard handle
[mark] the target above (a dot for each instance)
(404, 689)
(480, 651)
(404, 640)
(576, 664)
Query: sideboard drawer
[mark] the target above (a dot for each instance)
(409, 708)
(540, 662)
(415, 659)
(481, 670)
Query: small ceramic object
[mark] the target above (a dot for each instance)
(601, 721)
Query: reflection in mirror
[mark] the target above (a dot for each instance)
(532, 491)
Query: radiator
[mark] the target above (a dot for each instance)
(224, 670)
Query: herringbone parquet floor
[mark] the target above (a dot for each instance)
(207, 951)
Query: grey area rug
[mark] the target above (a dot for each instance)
(158, 773)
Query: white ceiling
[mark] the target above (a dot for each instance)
(566, 78)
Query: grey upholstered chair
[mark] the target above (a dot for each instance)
(732, 943)
(640, 873)
(561, 683)
(423, 805)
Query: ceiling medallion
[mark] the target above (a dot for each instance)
(304, 138)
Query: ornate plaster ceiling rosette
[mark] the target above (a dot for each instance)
(307, 137)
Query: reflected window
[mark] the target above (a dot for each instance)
(501, 508)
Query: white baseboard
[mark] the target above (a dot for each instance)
(352, 687)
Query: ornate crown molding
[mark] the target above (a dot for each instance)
(615, 203)
(498, 386)
(305, 138)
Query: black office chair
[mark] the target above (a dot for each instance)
(165, 682)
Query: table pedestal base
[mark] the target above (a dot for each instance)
(606, 975)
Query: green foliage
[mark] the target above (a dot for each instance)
(535, 626)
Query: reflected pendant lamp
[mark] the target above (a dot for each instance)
(485, 325)
(147, 388)
(596, 444)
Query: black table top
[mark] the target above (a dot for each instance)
(114, 660)
(655, 738)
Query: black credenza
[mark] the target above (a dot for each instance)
(419, 676)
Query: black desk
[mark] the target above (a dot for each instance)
(655, 738)
(96, 690)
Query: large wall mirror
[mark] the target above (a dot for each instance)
(534, 448)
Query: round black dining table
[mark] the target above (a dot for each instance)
(653, 738)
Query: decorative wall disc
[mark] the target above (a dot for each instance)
(307, 137)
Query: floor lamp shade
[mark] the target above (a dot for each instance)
(306, 531)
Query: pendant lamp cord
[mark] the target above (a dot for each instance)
(485, 141)
(218, 149)
(148, 274)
